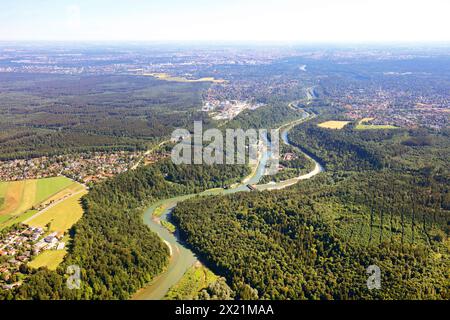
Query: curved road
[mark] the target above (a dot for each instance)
(182, 258)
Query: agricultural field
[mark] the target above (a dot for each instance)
(197, 278)
(62, 215)
(70, 190)
(3, 186)
(364, 124)
(59, 217)
(46, 187)
(18, 199)
(333, 124)
(7, 220)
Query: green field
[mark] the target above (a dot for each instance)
(60, 218)
(3, 187)
(3, 219)
(50, 259)
(364, 124)
(17, 198)
(7, 221)
(50, 186)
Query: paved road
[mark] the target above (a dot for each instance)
(51, 206)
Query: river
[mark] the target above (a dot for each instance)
(182, 258)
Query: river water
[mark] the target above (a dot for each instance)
(182, 258)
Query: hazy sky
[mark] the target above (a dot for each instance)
(226, 20)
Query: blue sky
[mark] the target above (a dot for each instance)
(226, 20)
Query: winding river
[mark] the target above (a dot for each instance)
(182, 258)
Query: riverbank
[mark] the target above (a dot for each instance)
(182, 258)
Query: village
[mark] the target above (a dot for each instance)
(86, 168)
(20, 245)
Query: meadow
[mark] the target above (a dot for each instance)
(62, 216)
(18, 199)
(50, 259)
(58, 218)
(364, 124)
(19, 196)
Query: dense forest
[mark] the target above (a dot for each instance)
(376, 205)
(52, 114)
(193, 176)
(31, 144)
(115, 250)
(271, 116)
(337, 149)
(288, 246)
(384, 198)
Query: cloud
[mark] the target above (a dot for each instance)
(73, 17)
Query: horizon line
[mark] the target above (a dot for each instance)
(212, 42)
